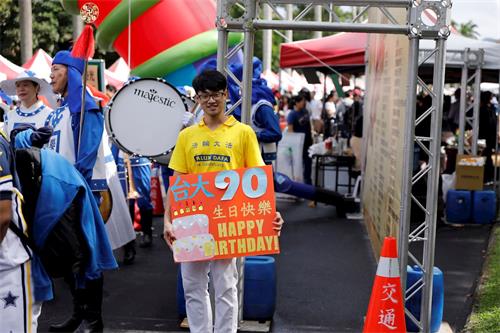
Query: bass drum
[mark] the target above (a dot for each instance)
(189, 102)
(144, 118)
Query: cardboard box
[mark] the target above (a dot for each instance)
(469, 172)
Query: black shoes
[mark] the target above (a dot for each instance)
(146, 241)
(70, 325)
(129, 255)
(95, 326)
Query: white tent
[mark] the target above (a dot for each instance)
(457, 43)
(9, 69)
(113, 79)
(120, 69)
(118, 73)
(40, 64)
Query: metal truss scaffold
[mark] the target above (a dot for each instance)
(416, 28)
(472, 60)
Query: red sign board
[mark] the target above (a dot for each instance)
(223, 214)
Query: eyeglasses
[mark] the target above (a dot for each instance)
(206, 97)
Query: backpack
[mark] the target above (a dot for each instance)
(65, 248)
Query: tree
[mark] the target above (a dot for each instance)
(51, 28)
(467, 29)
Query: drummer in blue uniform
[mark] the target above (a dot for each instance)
(67, 230)
(88, 153)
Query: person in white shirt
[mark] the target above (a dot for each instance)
(316, 109)
(31, 110)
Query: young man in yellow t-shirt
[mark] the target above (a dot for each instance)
(218, 142)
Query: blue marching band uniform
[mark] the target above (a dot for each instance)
(72, 174)
(141, 175)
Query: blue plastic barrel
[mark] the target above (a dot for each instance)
(484, 207)
(259, 299)
(413, 304)
(458, 206)
(181, 300)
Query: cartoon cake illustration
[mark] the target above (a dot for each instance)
(193, 240)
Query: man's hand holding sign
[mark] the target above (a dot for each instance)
(223, 214)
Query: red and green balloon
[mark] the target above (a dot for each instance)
(168, 38)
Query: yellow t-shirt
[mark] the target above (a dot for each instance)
(232, 145)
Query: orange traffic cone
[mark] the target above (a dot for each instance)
(386, 311)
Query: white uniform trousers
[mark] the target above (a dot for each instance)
(224, 276)
(18, 311)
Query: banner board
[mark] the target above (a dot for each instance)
(383, 128)
(223, 214)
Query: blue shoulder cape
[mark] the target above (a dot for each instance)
(61, 184)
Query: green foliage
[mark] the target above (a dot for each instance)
(9, 29)
(52, 28)
(467, 29)
(486, 314)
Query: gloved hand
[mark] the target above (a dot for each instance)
(26, 136)
(41, 136)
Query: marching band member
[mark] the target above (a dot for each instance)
(20, 310)
(27, 86)
(88, 152)
(264, 120)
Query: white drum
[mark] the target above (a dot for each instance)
(144, 118)
(190, 103)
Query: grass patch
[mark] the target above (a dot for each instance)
(485, 316)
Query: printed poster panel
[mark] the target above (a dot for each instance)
(384, 123)
(95, 74)
(223, 214)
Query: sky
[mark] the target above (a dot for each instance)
(484, 13)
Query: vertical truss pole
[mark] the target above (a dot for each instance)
(408, 149)
(222, 37)
(473, 59)
(463, 103)
(477, 101)
(425, 232)
(267, 40)
(432, 182)
(249, 37)
(318, 11)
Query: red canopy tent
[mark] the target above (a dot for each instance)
(342, 51)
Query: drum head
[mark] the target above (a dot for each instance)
(145, 117)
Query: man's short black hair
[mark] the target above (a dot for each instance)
(211, 80)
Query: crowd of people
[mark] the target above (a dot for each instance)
(53, 173)
(52, 176)
(333, 118)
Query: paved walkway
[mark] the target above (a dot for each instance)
(325, 273)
